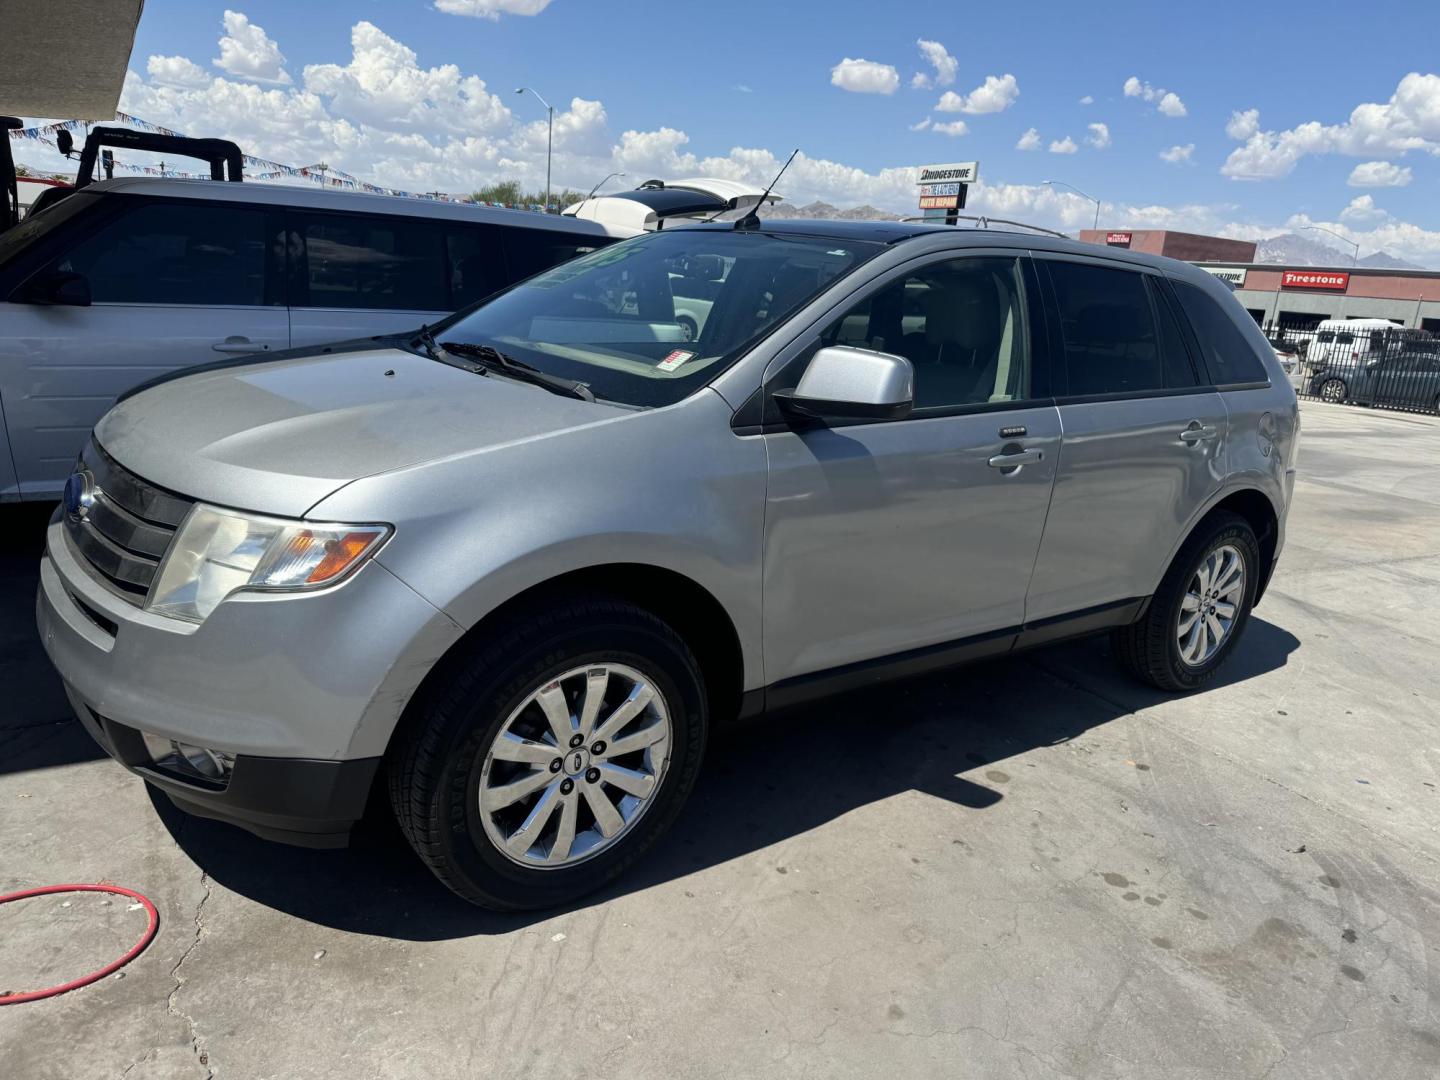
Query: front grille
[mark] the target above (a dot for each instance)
(128, 528)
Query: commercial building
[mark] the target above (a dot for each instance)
(1192, 247)
(1299, 297)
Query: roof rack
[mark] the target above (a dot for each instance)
(986, 222)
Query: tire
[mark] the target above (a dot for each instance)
(439, 762)
(1334, 391)
(1150, 648)
(689, 325)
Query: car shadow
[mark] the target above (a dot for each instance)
(765, 780)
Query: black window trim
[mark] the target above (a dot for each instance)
(758, 415)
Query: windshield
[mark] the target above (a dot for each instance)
(650, 320)
(17, 239)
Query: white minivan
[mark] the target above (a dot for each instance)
(128, 279)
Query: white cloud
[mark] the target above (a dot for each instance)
(1178, 155)
(1063, 146)
(1099, 136)
(247, 52)
(1362, 208)
(1410, 120)
(742, 88)
(921, 125)
(1380, 174)
(1029, 141)
(1171, 105)
(995, 94)
(176, 71)
(865, 77)
(1165, 102)
(491, 9)
(1088, 99)
(1242, 125)
(938, 57)
(954, 127)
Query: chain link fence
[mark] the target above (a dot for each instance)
(1384, 367)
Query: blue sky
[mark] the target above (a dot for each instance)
(660, 88)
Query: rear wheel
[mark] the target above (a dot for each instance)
(1333, 391)
(1199, 611)
(554, 757)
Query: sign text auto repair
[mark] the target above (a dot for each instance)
(1311, 279)
(943, 187)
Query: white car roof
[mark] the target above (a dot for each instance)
(310, 198)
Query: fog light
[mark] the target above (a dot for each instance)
(188, 760)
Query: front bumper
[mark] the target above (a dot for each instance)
(303, 691)
(298, 801)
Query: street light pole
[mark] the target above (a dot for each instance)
(549, 137)
(1077, 191)
(1355, 257)
(602, 183)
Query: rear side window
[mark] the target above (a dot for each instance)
(475, 263)
(528, 251)
(1174, 356)
(175, 253)
(1111, 343)
(375, 263)
(1225, 348)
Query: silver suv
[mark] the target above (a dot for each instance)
(514, 566)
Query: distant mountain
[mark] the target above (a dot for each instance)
(1296, 250)
(823, 210)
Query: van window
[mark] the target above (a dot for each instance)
(1111, 345)
(370, 262)
(175, 253)
(476, 264)
(1227, 351)
(528, 251)
(960, 323)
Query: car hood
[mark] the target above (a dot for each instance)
(279, 436)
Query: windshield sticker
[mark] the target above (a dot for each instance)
(674, 360)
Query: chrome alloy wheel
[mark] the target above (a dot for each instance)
(1211, 603)
(575, 766)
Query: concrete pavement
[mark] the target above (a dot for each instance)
(1032, 868)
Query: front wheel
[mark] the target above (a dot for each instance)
(1199, 611)
(554, 757)
(1333, 391)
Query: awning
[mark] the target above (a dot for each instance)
(65, 59)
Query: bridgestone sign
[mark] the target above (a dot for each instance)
(961, 172)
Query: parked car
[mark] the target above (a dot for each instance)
(515, 570)
(1410, 379)
(126, 279)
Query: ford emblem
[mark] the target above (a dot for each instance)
(79, 495)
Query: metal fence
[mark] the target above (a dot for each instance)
(1383, 367)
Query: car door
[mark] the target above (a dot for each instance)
(1143, 445)
(172, 282)
(905, 538)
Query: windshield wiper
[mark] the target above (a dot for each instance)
(425, 339)
(492, 359)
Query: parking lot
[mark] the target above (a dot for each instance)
(1027, 868)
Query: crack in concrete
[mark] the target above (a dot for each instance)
(202, 1055)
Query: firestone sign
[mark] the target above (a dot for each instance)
(1118, 239)
(1309, 279)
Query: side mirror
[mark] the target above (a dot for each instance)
(64, 141)
(57, 287)
(845, 382)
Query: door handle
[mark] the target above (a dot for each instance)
(235, 344)
(1015, 459)
(1198, 432)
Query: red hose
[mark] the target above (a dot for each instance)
(95, 976)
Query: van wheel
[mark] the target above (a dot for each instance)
(1199, 611)
(1333, 391)
(554, 756)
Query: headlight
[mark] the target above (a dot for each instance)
(218, 552)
